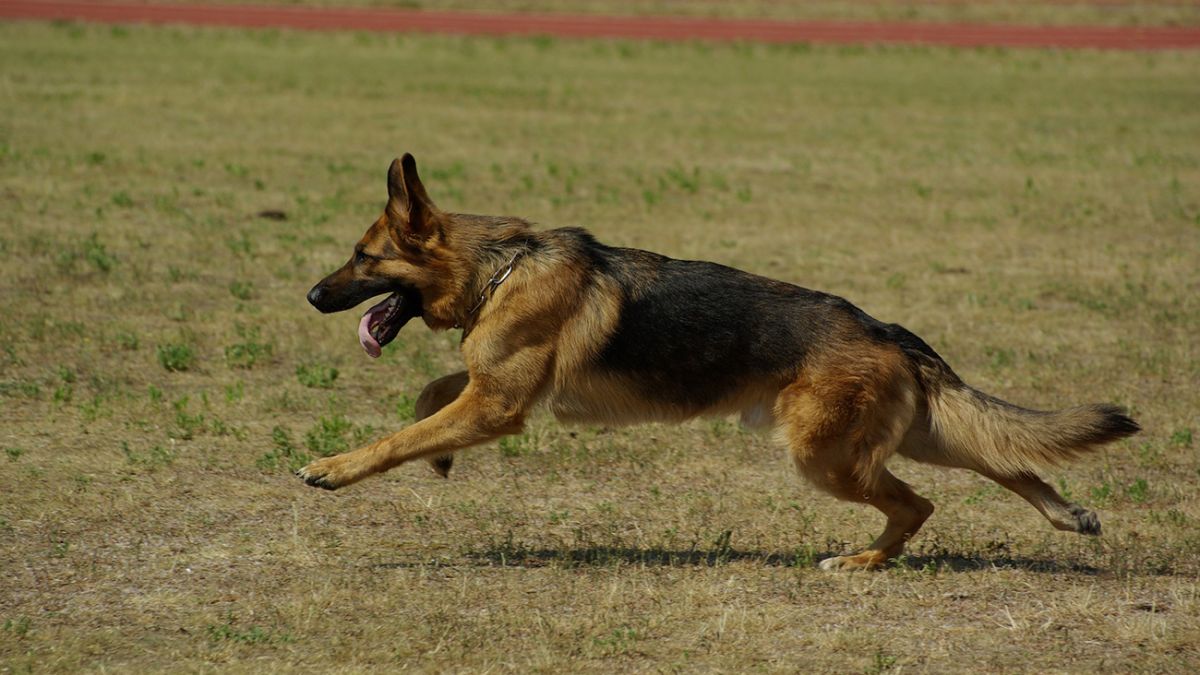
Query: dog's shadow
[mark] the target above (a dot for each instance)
(604, 556)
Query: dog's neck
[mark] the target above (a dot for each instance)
(487, 286)
(495, 280)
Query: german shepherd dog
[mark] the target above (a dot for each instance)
(618, 335)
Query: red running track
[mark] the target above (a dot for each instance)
(652, 28)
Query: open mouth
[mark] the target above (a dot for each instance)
(382, 323)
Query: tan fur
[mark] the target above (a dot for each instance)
(968, 431)
(842, 418)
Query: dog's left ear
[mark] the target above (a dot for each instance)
(408, 207)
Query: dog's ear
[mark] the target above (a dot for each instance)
(408, 207)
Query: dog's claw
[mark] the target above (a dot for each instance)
(1086, 522)
(315, 480)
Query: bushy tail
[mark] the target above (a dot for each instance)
(980, 431)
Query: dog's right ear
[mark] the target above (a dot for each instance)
(409, 209)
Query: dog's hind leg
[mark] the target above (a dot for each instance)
(1062, 514)
(435, 396)
(841, 426)
(905, 510)
(920, 446)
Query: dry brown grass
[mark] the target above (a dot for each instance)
(1033, 215)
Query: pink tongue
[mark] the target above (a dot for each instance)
(369, 344)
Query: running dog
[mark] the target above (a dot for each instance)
(617, 335)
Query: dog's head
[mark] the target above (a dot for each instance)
(403, 253)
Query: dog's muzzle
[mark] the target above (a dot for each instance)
(314, 296)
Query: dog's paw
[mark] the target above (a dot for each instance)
(325, 473)
(867, 560)
(442, 464)
(1086, 522)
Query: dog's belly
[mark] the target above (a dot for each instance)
(611, 399)
(605, 398)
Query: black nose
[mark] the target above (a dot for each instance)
(314, 296)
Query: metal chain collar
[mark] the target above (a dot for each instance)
(498, 278)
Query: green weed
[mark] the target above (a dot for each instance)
(187, 425)
(151, 460)
(176, 357)
(1065, 490)
(406, 408)
(254, 635)
(805, 556)
(316, 376)
(1149, 454)
(516, 446)
(128, 341)
(722, 547)
(688, 181)
(1173, 517)
(10, 352)
(329, 436)
(25, 388)
(93, 408)
(241, 245)
(250, 351)
(880, 663)
(97, 254)
(1138, 490)
(983, 494)
(999, 358)
(242, 290)
(177, 274)
(1181, 438)
(283, 451)
(178, 312)
(18, 626)
(363, 433)
(618, 641)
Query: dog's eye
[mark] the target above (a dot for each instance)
(361, 258)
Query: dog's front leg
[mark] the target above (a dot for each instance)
(435, 396)
(506, 377)
(472, 418)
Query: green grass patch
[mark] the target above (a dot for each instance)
(250, 351)
(329, 436)
(316, 375)
(176, 357)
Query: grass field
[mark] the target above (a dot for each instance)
(1088, 12)
(1034, 215)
